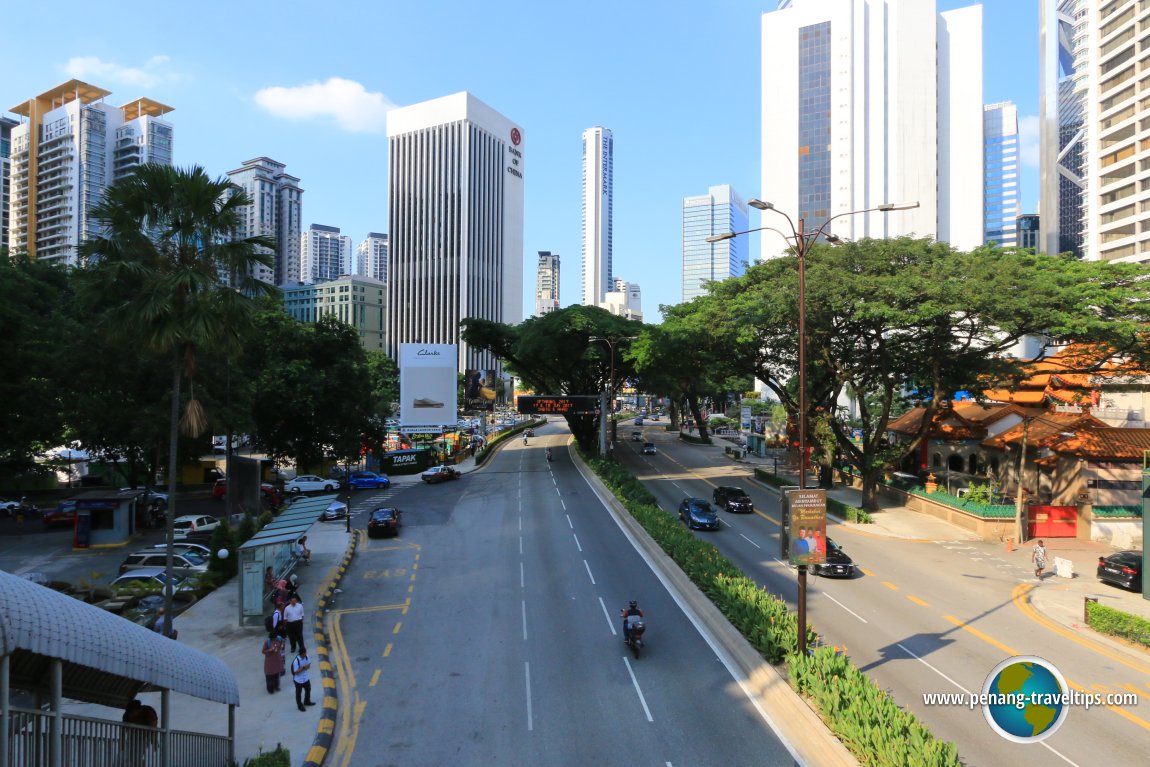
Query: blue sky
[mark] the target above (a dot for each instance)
(309, 84)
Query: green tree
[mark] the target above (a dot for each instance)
(168, 236)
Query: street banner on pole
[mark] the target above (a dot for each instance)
(807, 525)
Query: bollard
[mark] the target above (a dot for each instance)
(1010, 544)
(1086, 608)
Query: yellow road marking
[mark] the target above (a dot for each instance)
(917, 601)
(984, 637)
(387, 650)
(890, 585)
(375, 677)
(398, 625)
(865, 572)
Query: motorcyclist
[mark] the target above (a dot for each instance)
(524, 438)
(547, 453)
(630, 615)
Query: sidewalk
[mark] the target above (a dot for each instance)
(1056, 598)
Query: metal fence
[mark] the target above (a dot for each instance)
(87, 742)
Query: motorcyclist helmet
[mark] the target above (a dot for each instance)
(633, 605)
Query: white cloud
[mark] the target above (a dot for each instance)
(355, 109)
(95, 69)
(1028, 140)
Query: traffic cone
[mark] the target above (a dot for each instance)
(1010, 544)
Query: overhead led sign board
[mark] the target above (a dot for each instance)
(575, 404)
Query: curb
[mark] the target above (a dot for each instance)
(325, 730)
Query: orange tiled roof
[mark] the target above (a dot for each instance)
(1103, 444)
(1043, 430)
(1058, 378)
(957, 421)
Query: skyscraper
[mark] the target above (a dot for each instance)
(68, 148)
(455, 220)
(598, 150)
(625, 299)
(276, 211)
(6, 126)
(1002, 190)
(353, 299)
(720, 210)
(547, 283)
(1028, 227)
(868, 102)
(1064, 77)
(371, 256)
(325, 254)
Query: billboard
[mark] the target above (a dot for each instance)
(805, 526)
(428, 386)
(481, 389)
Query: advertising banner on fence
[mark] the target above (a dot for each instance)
(428, 385)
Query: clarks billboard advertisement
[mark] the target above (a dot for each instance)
(428, 385)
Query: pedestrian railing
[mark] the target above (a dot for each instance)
(89, 742)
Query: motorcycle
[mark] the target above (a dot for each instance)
(634, 632)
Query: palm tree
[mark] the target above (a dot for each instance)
(160, 271)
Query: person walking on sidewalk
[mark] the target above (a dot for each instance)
(273, 661)
(1038, 556)
(293, 619)
(299, 674)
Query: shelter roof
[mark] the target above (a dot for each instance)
(106, 659)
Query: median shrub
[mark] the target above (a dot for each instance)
(1107, 620)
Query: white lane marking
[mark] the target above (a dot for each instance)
(638, 692)
(840, 604)
(563, 504)
(576, 537)
(748, 540)
(521, 524)
(521, 544)
(527, 675)
(932, 668)
(558, 491)
(569, 523)
(524, 603)
(589, 575)
(521, 582)
(607, 615)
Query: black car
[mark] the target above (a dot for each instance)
(697, 514)
(1122, 569)
(383, 522)
(733, 499)
(837, 564)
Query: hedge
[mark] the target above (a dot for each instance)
(281, 757)
(1107, 620)
(863, 716)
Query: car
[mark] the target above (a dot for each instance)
(636, 436)
(639, 421)
(837, 564)
(311, 483)
(364, 480)
(697, 514)
(8, 508)
(271, 496)
(334, 510)
(64, 513)
(733, 499)
(439, 474)
(150, 578)
(186, 563)
(1123, 568)
(383, 522)
(194, 524)
(649, 448)
(181, 546)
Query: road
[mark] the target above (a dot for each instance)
(923, 617)
(488, 633)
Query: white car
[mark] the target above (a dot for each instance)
(150, 578)
(310, 483)
(181, 546)
(194, 523)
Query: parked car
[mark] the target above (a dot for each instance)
(649, 448)
(181, 546)
(150, 577)
(368, 480)
(1122, 569)
(63, 514)
(193, 524)
(310, 483)
(271, 497)
(186, 563)
(733, 499)
(697, 514)
(837, 564)
(8, 508)
(383, 522)
(439, 474)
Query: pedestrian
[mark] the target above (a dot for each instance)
(163, 625)
(273, 651)
(270, 584)
(299, 674)
(302, 551)
(135, 741)
(1038, 556)
(293, 619)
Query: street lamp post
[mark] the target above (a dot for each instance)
(802, 239)
(611, 386)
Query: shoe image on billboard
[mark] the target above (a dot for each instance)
(425, 402)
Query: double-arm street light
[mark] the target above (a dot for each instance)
(801, 239)
(610, 409)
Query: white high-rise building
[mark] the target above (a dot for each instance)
(866, 102)
(1095, 154)
(720, 210)
(325, 254)
(276, 211)
(598, 150)
(547, 283)
(455, 221)
(6, 126)
(625, 299)
(69, 146)
(371, 256)
(1002, 183)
